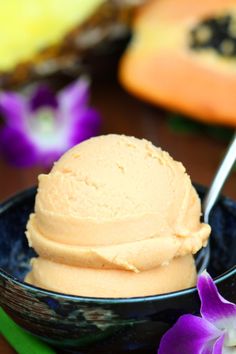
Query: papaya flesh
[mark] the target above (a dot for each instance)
(183, 57)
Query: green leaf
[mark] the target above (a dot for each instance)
(184, 125)
(20, 340)
(180, 124)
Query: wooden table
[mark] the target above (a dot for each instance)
(124, 114)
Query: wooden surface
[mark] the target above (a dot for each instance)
(124, 114)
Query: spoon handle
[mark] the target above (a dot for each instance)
(219, 180)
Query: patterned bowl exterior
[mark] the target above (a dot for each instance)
(89, 325)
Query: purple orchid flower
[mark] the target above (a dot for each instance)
(40, 129)
(213, 333)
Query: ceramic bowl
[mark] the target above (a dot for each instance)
(95, 325)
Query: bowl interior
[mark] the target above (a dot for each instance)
(15, 253)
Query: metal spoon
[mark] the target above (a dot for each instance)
(211, 197)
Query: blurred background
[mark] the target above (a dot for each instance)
(163, 70)
(153, 69)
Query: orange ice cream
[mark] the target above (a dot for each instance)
(115, 217)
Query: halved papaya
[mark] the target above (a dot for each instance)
(183, 56)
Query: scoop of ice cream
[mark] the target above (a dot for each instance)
(115, 203)
(112, 282)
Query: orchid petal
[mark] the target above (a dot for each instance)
(84, 125)
(17, 148)
(219, 344)
(190, 334)
(49, 124)
(74, 97)
(43, 97)
(47, 158)
(12, 107)
(214, 308)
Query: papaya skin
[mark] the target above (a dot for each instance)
(160, 67)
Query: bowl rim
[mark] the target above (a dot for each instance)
(17, 198)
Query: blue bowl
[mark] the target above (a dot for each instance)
(90, 325)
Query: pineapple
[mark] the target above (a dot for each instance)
(41, 37)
